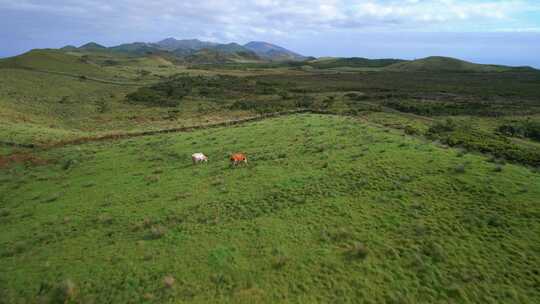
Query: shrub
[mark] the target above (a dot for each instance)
(157, 232)
(410, 130)
(4, 212)
(150, 96)
(358, 251)
(284, 95)
(305, 101)
(64, 292)
(279, 261)
(105, 219)
(448, 125)
(102, 106)
(459, 168)
(527, 129)
(495, 144)
(168, 281)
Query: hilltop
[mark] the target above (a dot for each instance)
(53, 61)
(447, 64)
(273, 52)
(352, 62)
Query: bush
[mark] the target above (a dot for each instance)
(305, 101)
(527, 129)
(410, 130)
(168, 281)
(459, 168)
(448, 125)
(157, 232)
(484, 142)
(358, 251)
(150, 96)
(102, 106)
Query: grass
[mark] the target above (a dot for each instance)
(134, 220)
(329, 209)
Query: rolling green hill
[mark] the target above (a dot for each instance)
(447, 64)
(273, 52)
(53, 61)
(353, 62)
(213, 56)
(92, 47)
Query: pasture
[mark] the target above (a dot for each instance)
(329, 209)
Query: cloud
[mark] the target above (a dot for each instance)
(243, 18)
(52, 23)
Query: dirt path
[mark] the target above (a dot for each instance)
(118, 136)
(86, 78)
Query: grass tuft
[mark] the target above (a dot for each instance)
(357, 251)
(157, 232)
(459, 168)
(168, 281)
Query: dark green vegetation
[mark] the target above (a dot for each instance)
(367, 203)
(446, 64)
(329, 209)
(524, 129)
(354, 62)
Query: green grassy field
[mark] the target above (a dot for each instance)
(329, 209)
(370, 204)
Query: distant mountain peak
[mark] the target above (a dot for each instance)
(271, 51)
(173, 44)
(92, 45)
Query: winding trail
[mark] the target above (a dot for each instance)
(125, 135)
(118, 136)
(85, 78)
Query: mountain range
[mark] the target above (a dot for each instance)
(195, 51)
(198, 51)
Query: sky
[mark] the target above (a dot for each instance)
(484, 31)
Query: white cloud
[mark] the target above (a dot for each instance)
(243, 18)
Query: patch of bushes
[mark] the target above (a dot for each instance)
(452, 134)
(443, 108)
(410, 130)
(263, 106)
(447, 125)
(157, 232)
(154, 97)
(459, 168)
(526, 129)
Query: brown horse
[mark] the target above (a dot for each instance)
(238, 158)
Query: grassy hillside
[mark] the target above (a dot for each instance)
(53, 61)
(444, 64)
(214, 56)
(353, 62)
(314, 217)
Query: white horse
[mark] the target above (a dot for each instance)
(199, 158)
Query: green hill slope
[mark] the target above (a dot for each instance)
(353, 62)
(445, 64)
(314, 217)
(53, 61)
(213, 56)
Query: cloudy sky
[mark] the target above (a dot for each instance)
(487, 31)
